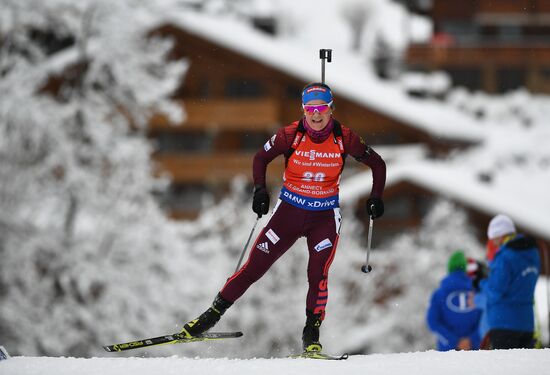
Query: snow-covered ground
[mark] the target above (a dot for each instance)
(501, 362)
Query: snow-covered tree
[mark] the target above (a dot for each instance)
(78, 221)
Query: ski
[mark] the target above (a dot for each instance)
(319, 355)
(175, 338)
(4, 354)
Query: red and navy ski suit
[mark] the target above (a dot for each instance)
(307, 205)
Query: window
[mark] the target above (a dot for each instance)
(168, 142)
(254, 141)
(510, 79)
(464, 32)
(469, 78)
(204, 88)
(185, 198)
(293, 92)
(509, 34)
(244, 88)
(545, 73)
(398, 208)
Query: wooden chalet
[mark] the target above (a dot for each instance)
(489, 45)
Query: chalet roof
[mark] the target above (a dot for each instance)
(348, 74)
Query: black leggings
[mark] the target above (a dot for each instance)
(508, 339)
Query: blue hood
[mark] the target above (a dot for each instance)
(456, 280)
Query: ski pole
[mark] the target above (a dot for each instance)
(248, 241)
(324, 54)
(366, 268)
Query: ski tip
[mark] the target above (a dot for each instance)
(238, 334)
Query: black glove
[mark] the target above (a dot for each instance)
(375, 207)
(260, 201)
(481, 273)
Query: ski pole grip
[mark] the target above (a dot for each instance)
(325, 54)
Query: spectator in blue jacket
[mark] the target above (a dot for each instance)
(451, 316)
(510, 287)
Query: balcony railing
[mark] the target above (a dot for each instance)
(478, 54)
(212, 168)
(223, 114)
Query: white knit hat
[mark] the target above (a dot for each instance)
(499, 226)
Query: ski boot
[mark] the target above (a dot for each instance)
(310, 334)
(207, 319)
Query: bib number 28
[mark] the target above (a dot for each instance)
(311, 176)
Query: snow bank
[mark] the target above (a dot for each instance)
(502, 362)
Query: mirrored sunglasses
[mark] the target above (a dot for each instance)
(320, 108)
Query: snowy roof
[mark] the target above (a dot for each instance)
(527, 205)
(348, 74)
